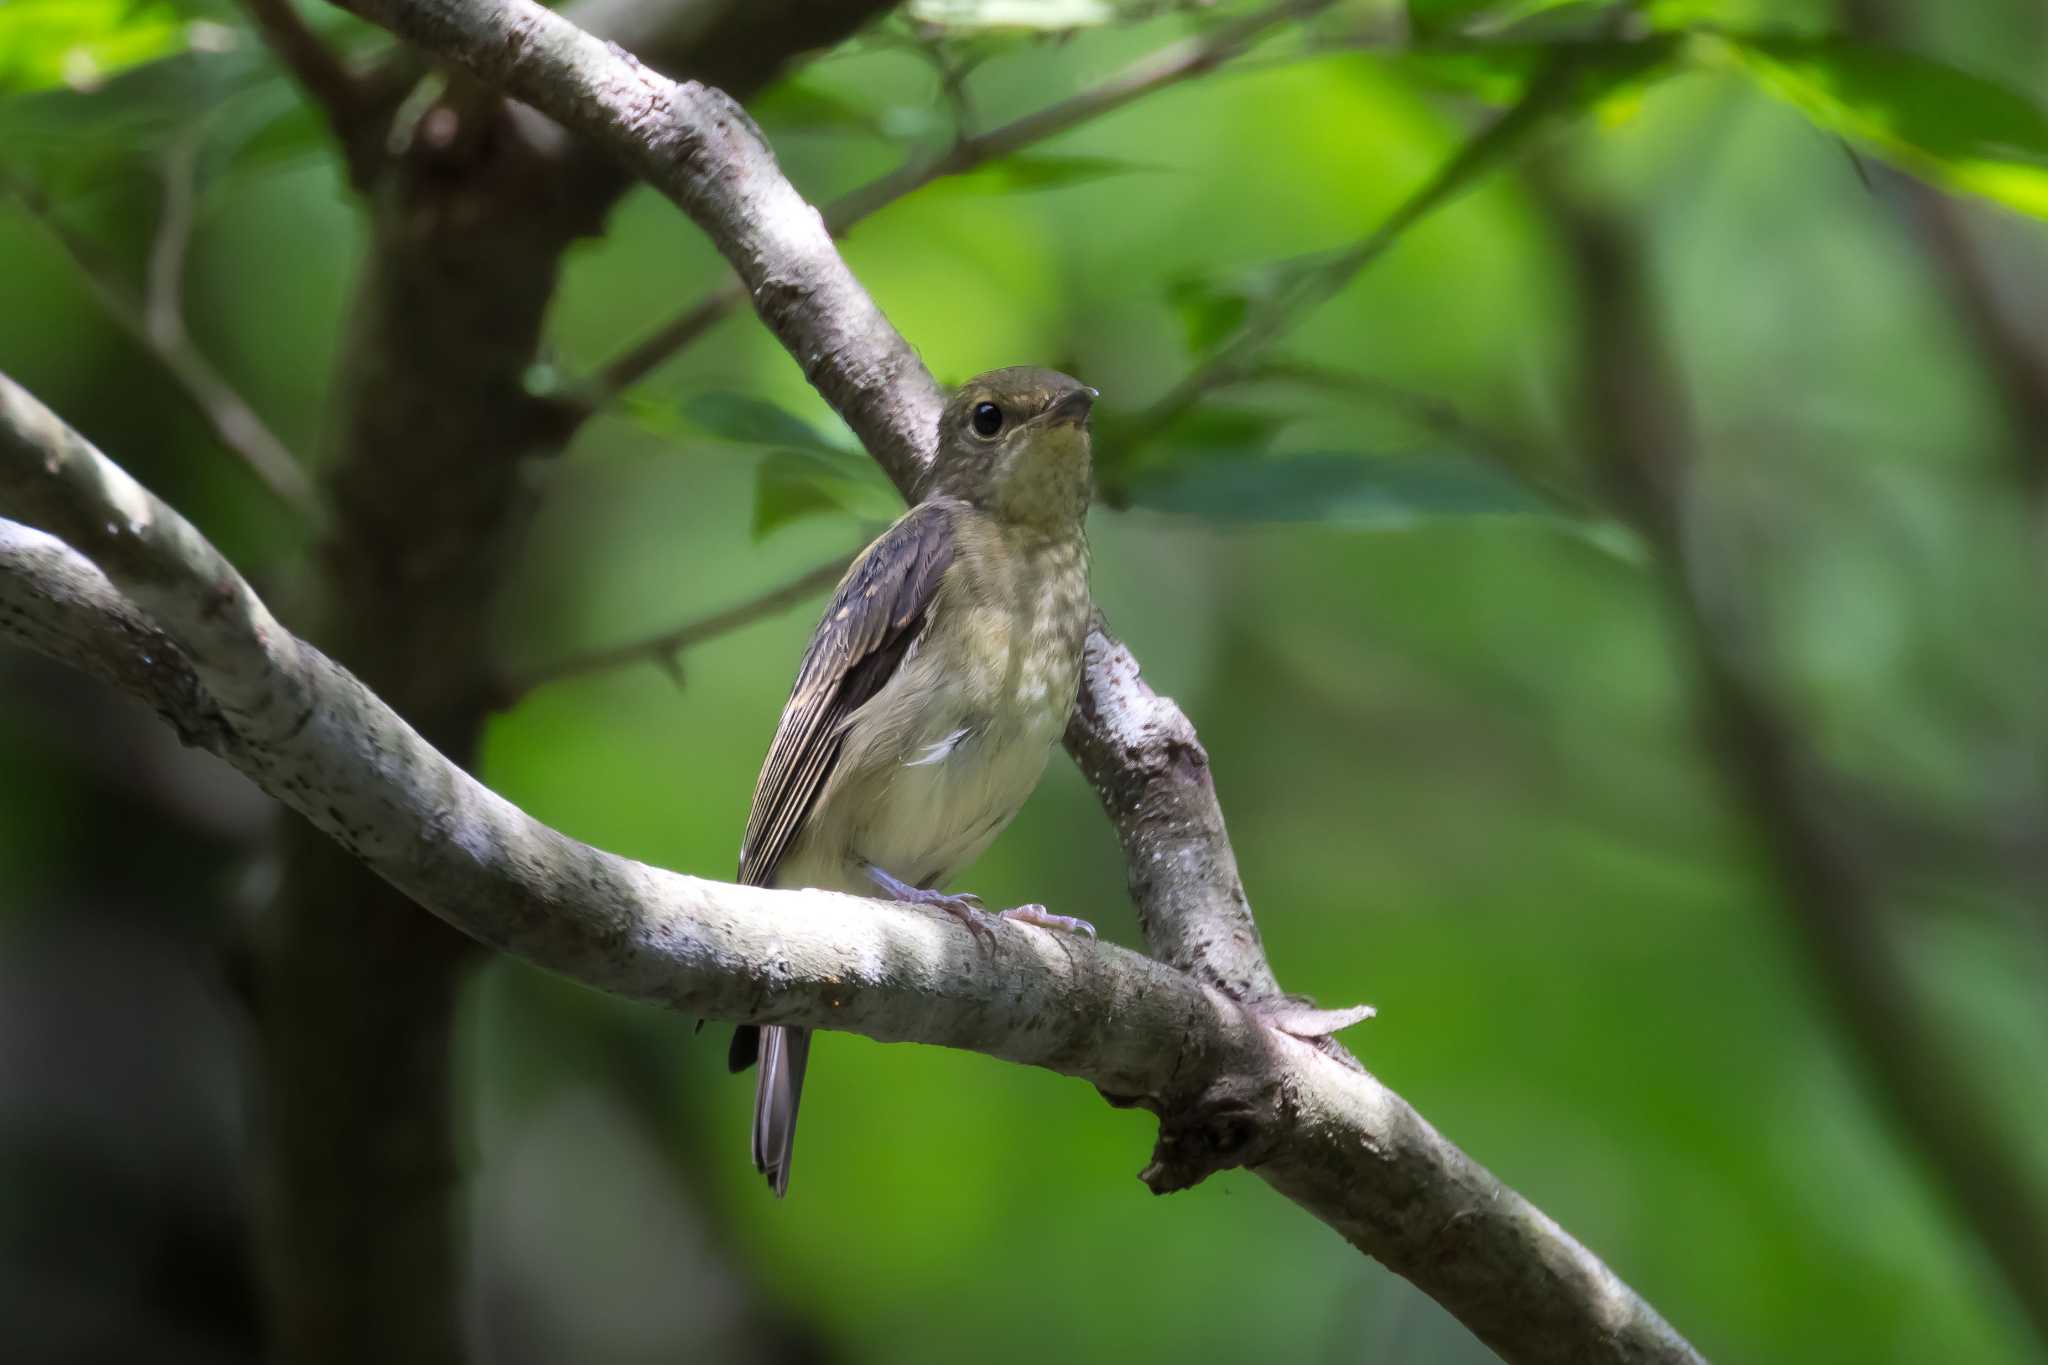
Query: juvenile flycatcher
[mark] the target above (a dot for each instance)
(933, 690)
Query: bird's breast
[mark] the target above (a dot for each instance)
(945, 755)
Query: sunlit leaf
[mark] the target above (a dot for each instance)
(1959, 131)
(80, 43)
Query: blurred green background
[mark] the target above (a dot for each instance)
(1456, 742)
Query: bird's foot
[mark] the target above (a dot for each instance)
(967, 908)
(1045, 919)
(962, 906)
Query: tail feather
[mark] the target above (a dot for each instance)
(784, 1051)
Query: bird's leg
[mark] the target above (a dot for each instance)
(963, 907)
(1045, 919)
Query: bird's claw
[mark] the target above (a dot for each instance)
(967, 909)
(1045, 919)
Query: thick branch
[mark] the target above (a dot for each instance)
(1232, 1085)
(1229, 1081)
(1506, 1271)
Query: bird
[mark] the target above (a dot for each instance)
(941, 674)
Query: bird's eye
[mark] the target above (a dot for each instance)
(988, 419)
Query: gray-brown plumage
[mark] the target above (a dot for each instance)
(933, 690)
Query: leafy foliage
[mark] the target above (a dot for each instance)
(1959, 131)
(801, 474)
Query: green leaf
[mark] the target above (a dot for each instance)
(746, 420)
(1373, 492)
(786, 489)
(1956, 130)
(1213, 306)
(793, 484)
(801, 473)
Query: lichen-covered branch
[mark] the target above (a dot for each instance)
(1235, 1082)
(700, 149)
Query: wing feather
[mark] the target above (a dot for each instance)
(879, 608)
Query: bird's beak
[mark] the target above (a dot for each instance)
(1074, 407)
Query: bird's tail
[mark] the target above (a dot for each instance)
(784, 1051)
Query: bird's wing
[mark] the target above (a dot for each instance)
(877, 612)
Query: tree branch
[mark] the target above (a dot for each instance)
(664, 649)
(1170, 65)
(158, 325)
(1496, 1263)
(1234, 1084)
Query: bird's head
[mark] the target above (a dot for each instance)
(1015, 443)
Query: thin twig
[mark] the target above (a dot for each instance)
(1169, 66)
(158, 324)
(1318, 279)
(664, 648)
(164, 306)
